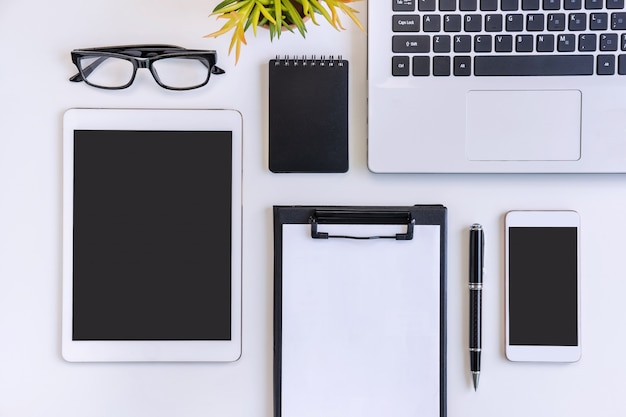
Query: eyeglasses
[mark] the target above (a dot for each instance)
(172, 67)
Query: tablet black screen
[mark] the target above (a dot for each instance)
(152, 235)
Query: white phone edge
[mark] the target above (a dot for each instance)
(541, 218)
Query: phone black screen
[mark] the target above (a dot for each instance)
(543, 279)
(152, 235)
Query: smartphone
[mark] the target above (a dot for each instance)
(542, 285)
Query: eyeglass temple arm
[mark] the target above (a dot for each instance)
(214, 69)
(88, 70)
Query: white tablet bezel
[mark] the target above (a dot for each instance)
(151, 119)
(521, 218)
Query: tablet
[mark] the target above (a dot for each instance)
(151, 235)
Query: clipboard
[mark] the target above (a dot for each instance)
(360, 311)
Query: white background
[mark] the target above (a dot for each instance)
(35, 65)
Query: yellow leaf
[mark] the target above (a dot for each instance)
(255, 19)
(351, 13)
(232, 21)
(321, 10)
(233, 7)
(279, 14)
(265, 13)
(305, 7)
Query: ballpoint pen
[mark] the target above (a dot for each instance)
(476, 246)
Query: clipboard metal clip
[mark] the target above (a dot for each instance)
(362, 217)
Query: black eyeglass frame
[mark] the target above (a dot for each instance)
(142, 56)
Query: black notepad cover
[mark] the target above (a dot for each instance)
(308, 115)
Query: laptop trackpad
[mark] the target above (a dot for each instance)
(541, 125)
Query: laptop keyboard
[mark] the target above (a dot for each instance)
(508, 37)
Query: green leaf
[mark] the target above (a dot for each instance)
(223, 4)
(318, 8)
(265, 12)
(278, 12)
(254, 18)
(245, 18)
(295, 17)
(236, 5)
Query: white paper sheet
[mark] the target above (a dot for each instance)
(360, 323)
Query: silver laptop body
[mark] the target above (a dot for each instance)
(496, 86)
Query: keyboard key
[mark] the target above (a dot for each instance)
(618, 21)
(467, 5)
(577, 22)
(566, 43)
(524, 43)
(551, 4)
(452, 23)
(426, 5)
(545, 43)
(400, 66)
(403, 5)
(472, 23)
(614, 4)
(608, 42)
(514, 22)
(432, 23)
(535, 22)
(624, 42)
(503, 43)
(421, 66)
(405, 23)
(587, 42)
(509, 5)
(462, 65)
(411, 43)
(441, 43)
(621, 65)
(493, 23)
(539, 65)
(593, 4)
(556, 21)
(462, 43)
(530, 4)
(441, 66)
(482, 43)
(447, 5)
(488, 5)
(598, 21)
(606, 65)
(572, 4)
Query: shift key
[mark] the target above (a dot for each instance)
(415, 44)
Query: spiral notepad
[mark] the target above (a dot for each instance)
(308, 115)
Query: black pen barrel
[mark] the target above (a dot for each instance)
(476, 246)
(475, 361)
(475, 341)
(476, 255)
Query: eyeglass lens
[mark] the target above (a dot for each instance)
(173, 72)
(181, 72)
(107, 72)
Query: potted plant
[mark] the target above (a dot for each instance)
(277, 15)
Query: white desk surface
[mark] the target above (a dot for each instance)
(35, 65)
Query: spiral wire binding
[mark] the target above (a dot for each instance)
(309, 62)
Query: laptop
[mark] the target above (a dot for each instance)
(462, 86)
